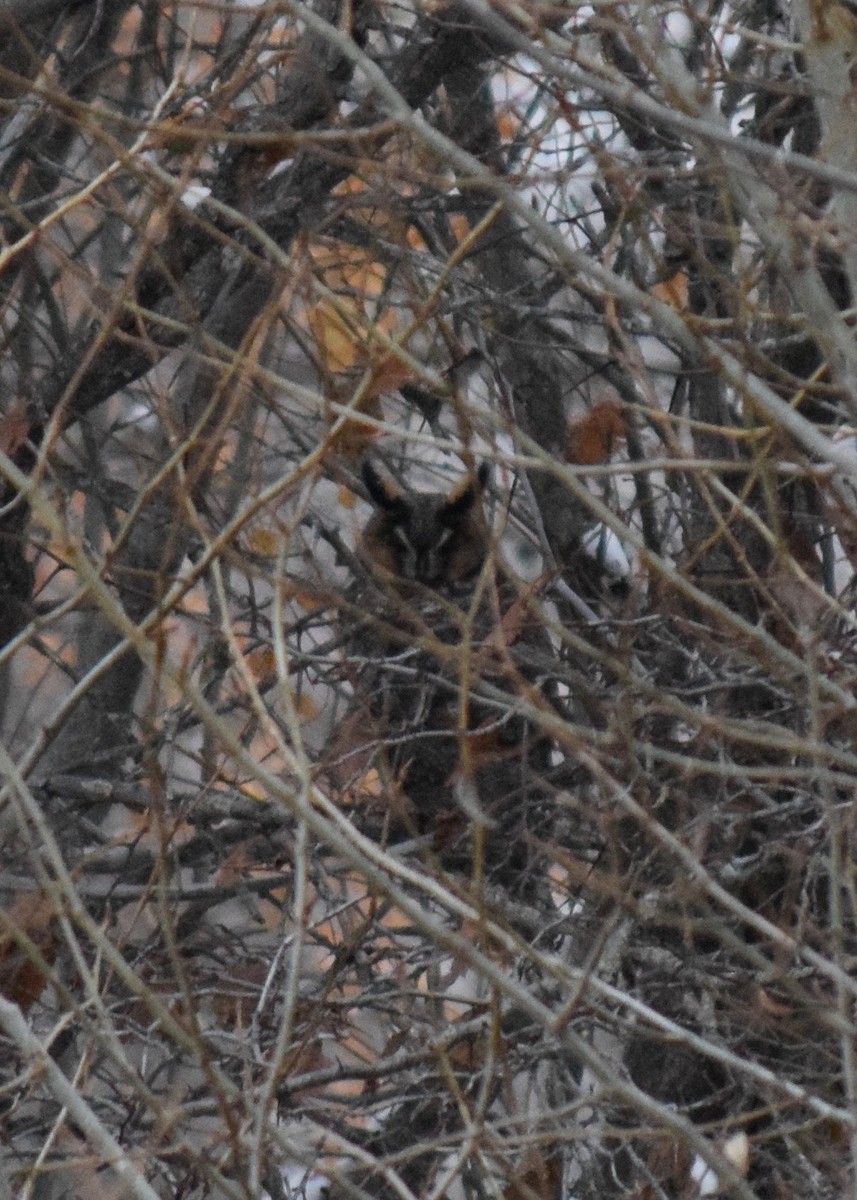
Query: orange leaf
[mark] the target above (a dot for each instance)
(592, 438)
(262, 663)
(509, 123)
(336, 337)
(673, 291)
(353, 438)
(460, 226)
(307, 600)
(415, 239)
(307, 707)
(388, 375)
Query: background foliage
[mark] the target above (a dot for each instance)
(245, 947)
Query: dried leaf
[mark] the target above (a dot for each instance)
(388, 375)
(353, 439)
(517, 618)
(308, 601)
(350, 752)
(14, 428)
(262, 663)
(22, 980)
(308, 709)
(837, 1132)
(337, 337)
(537, 1176)
(265, 542)
(669, 1161)
(347, 499)
(673, 291)
(449, 825)
(593, 438)
(772, 1007)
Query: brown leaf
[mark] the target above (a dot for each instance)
(262, 663)
(673, 291)
(351, 754)
(265, 542)
(770, 1006)
(537, 1176)
(468, 1055)
(21, 979)
(351, 749)
(388, 374)
(345, 498)
(669, 1161)
(449, 825)
(592, 438)
(14, 427)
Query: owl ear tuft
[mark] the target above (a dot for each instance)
(383, 491)
(465, 494)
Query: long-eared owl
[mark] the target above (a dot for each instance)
(436, 645)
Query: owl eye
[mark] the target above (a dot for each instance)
(421, 558)
(431, 564)
(408, 555)
(399, 533)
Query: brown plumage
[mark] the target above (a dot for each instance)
(438, 639)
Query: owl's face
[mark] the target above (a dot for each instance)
(430, 538)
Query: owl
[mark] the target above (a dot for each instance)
(435, 539)
(439, 635)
